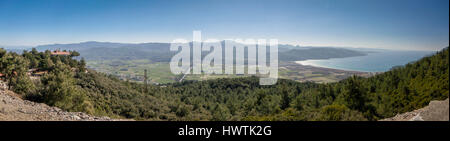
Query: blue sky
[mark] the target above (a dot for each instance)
(391, 24)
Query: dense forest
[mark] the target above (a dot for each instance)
(68, 85)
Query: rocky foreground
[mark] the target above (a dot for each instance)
(435, 111)
(13, 108)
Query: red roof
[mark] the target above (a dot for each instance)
(60, 53)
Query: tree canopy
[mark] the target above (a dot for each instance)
(68, 86)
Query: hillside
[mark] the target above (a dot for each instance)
(13, 108)
(69, 86)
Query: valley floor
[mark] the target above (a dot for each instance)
(307, 73)
(159, 73)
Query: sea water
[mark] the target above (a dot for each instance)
(378, 61)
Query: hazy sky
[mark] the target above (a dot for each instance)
(392, 24)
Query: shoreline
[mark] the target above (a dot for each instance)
(304, 73)
(306, 63)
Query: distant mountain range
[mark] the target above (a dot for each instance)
(318, 53)
(159, 52)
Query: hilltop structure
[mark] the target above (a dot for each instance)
(58, 52)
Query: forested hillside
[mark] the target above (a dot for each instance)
(67, 85)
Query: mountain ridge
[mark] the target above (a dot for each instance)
(159, 52)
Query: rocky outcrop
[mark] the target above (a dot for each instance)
(435, 111)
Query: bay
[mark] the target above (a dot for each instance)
(379, 61)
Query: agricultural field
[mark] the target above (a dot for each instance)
(133, 70)
(159, 72)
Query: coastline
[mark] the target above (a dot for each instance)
(309, 63)
(308, 73)
(372, 63)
